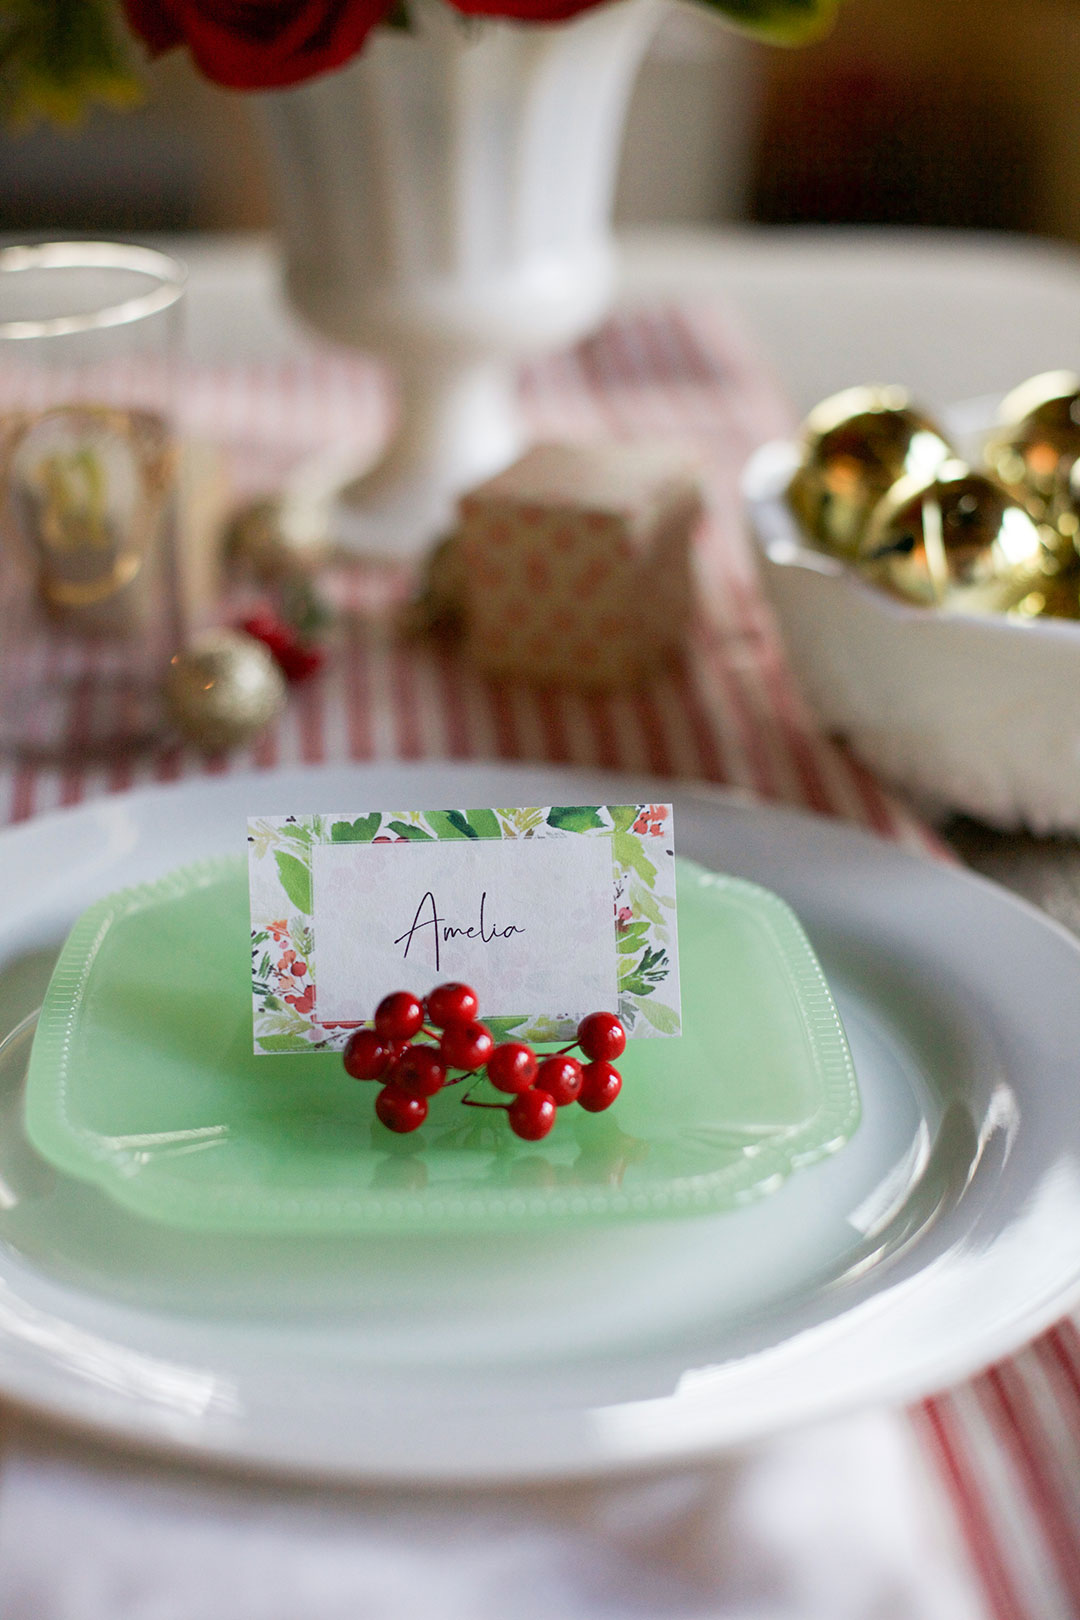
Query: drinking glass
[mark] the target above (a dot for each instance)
(89, 598)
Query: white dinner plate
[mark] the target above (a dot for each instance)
(944, 1235)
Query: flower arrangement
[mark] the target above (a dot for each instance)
(59, 56)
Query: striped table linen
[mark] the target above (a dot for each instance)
(1007, 1444)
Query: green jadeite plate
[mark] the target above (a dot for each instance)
(143, 1080)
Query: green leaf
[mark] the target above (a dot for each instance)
(502, 1027)
(485, 823)
(58, 56)
(295, 880)
(630, 852)
(284, 1043)
(623, 816)
(415, 835)
(631, 941)
(449, 824)
(642, 900)
(782, 22)
(575, 817)
(360, 831)
(661, 1017)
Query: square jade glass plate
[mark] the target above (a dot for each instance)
(941, 1236)
(142, 1079)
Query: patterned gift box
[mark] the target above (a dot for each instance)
(576, 562)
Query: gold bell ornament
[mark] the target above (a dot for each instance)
(955, 540)
(276, 540)
(854, 447)
(1034, 449)
(222, 689)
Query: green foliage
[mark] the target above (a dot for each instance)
(661, 1017)
(641, 978)
(484, 823)
(450, 824)
(295, 880)
(574, 818)
(781, 22)
(415, 835)
(630, 854)
(502, 1028)
(360, 831)
(284, 1043)
(57, 57)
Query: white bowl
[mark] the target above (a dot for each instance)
(980, 715)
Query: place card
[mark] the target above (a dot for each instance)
(549, 913)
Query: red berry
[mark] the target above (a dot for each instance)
(366, 1056)
(512, 1066)
(298, 661)
(466, 1046)
(419, 1070)
(531, 1115)
(560, 1077)
(399, 1016)
(601, 1036)
(452, 1004)
(600, 1086)
(294, 658)
(400, 1110)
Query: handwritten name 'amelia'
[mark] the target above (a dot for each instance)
(442, 932)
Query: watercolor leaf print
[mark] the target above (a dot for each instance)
(484, 823)
(411, 833)
(360, 831)
(630, 852)
(295, 878)
(450, 824)
(660, 1016)
(575, 817)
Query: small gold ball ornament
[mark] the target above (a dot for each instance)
(222, 689)
(956, 540)
(1035, 448)
(854, 447)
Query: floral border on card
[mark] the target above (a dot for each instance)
(283, 946)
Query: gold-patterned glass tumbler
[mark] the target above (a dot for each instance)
(89, 600)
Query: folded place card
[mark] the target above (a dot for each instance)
(549, 913)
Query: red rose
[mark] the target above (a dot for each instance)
(258, 44)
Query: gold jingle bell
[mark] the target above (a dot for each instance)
(956, 540)
(223, 689)
(275, 541)
(855, 445)
(1034, 451)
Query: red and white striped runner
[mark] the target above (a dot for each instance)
(1007, 1444)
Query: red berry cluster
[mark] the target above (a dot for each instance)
(411, 1071)
(296, 658)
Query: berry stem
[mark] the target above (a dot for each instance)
(467, 1102)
